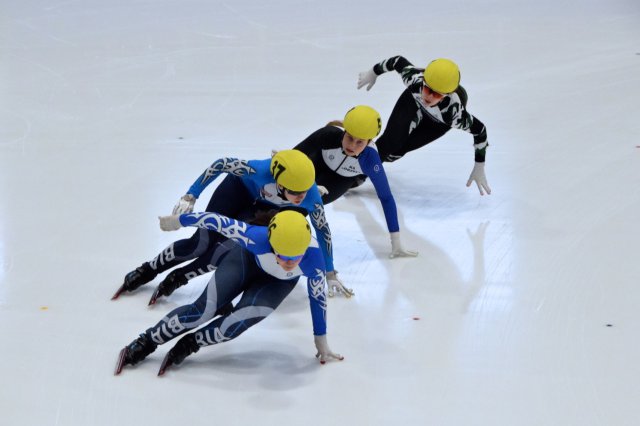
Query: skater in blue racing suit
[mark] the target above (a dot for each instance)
(286, 181)
(263, 268)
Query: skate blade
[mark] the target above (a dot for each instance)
(165, 364)
(120, 363)
(154, 297)
(119, 292)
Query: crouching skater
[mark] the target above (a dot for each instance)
(264, 266)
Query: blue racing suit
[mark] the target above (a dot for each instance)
(249, 269)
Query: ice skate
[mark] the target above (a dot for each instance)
(134, 279)
(135, 352)
(185, 347)
(174, 280)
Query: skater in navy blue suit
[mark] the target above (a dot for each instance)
(263, 268)
(286, 181)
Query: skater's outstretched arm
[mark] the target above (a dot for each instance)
(234, 166)
(236, 230)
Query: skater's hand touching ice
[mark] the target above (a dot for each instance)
(478, 176)
(336, 286)
(324, 352)
(396, 247)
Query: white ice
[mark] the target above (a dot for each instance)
(523, 307)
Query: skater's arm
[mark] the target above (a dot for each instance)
(395, 63)
(236, 230)
(321, 226)
(409, 73)
(316, 287)
(479, 132)
(480, 143)
(234, 166)
(373, 168)
(455, 113)
(461, 119)
(375, 171)
(313, 267)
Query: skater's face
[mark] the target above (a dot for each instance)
(288, 263)
(353, 146)
(430, 97)
(294, 197)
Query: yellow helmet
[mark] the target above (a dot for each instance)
(442, 76)
(289, 233)
(362, 122)
(293, 170)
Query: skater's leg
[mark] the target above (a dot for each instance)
(230, 198)
(219, 246)
(183, 250)
(259, 299)
(397, 128)
(225, 284)
(175, 254)
(205, 263)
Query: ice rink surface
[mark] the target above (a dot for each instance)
(523, 307)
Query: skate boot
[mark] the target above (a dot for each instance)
(185, 347)
(135, 352)
(174, 280)
(134, 279)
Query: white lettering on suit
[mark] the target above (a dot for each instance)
(171, 327)
(341, 163)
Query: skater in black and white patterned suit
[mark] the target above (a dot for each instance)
(432, 103)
